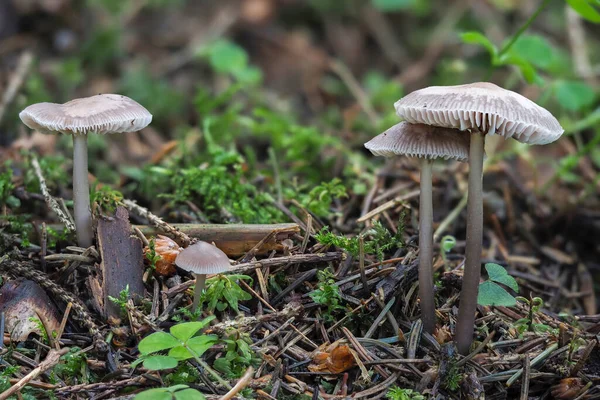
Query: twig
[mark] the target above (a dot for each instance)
(168, 229)
(389, 204)
(51, 201)
(357, 91)
(295, 259)
(16, 81)
(240, 385)
(51, 360)
(63, 323)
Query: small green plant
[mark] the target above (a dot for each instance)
(105, 199)
(396, 393)
(6, 190)
(151, 255)
(73, 367)
(447, 244)
(320, 197)
(492, 294)
(176, 392)
(328, 295)
(238, 358)
(181, 343)
(380, 240)
(122, 300)
(222, 291)
(528, 324)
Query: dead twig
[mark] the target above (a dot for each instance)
(51, 360)
(51, 201)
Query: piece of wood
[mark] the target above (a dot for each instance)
(122, 260)
(234, 239)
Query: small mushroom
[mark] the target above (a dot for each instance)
(427, 143)
(202, 259)
(101, 114)
(480, 108)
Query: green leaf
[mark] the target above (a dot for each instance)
(448, 243)
(535, 50)
(154, 394)
(227, 57)
(157, 363)
(186, 330)
(202, 343)
(223, 365)
(473, 37)
(585, 9)
(529, 72)
(181, 353)
(189, 394)
(156, 342)
(497, 273)
(491, 294)
(574, 95)
(392, 5)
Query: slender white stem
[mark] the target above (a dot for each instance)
(426, 248)
(81, 192)
(472, 272)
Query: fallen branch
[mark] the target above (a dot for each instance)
(51, 201)
(166, 228)
(51, 360)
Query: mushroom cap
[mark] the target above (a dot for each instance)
(481, 106)
(422, 141)
(103, 113)
(203, 258)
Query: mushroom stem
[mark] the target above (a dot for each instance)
(81, 192)
(198, 288)
(472, 269)
(426, 248)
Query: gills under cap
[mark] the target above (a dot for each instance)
(422, 141)
(203, 258)
(481, 106)
(102, 114)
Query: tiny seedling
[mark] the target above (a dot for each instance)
(528, 324)
(447, 244)
(176, 392)
(238, 358)
(181, 343)
(151, 255)
(396, 393)
(328, 295)
(491, 293)
(222, 291)
(122, 300)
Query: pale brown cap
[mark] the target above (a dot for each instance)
(421, 141)
(102, 114)
(482, 106)
(203, 258)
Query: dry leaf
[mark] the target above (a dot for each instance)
(335, 359)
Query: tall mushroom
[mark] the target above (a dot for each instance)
(427, 143)
(202, 259)
(482, 109)
(101, 114)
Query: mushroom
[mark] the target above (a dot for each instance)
(480, 108)
(101, 114)
(427, 143)
(201, 259)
